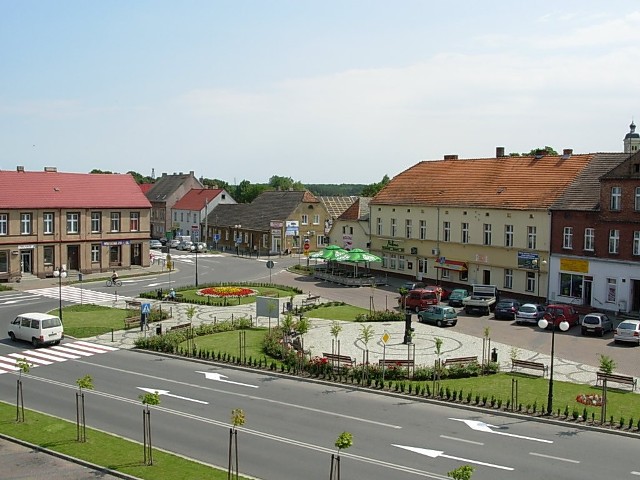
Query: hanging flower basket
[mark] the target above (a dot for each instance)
(222, 292)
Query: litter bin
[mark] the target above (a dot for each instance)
(159, 329)
(494, 355)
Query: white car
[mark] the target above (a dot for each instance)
(529, 313)
(185, 246)
(174, 243)
(37, 328)
(627, 331)
(155, 243)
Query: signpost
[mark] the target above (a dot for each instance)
(385, 338)
(270, 265)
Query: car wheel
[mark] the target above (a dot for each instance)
(616, 341)
(439, 323)
(583, 331)
(57, 342)
(34, 342)
(12, 336)
(601, 334)
(454, 323)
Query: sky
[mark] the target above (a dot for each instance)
(321, 92)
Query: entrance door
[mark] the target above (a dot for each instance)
(635, 296)
(422, 268)
(276, 244)
(73, 257)
(486, 277)
(25, 261)
(586, 292)
(136, 254)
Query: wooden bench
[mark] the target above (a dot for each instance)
(310, 300)
(459, 361)
(340, 361)
(131, 322)
(394, 362)
(180, 326)
(131, 304)
(610, 377)
(516, 363)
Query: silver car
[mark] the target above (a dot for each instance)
(627, 331)
(529, 313)
(597, 323)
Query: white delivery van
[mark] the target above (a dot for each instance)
(37, 328)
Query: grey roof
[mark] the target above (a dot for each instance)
(166, 185)
(337, 205)
(257, 215)
(626, 169)
(584, 192)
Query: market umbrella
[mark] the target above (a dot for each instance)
(356, 256)
(330, 252)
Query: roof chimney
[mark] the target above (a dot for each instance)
(50, 169)
(20, 168)
(451, 157)
(567, 152)
(499, 152)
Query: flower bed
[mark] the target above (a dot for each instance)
(221, 292)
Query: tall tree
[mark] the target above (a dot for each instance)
(245, 192)
(373, 189)
(285, 183)
(215, 183)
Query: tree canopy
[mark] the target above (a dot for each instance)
(373, 189)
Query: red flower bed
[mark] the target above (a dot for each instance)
(226, 292)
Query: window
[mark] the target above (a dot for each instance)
(246, 237)
(393, 261)
(115, 221)
(531, 282)
(175, 216)
(47, 254)
(614, 241)
(379, 226)
(320, 241)
(265, 240)
(486, 239)
(226, 235)
(508, 235)
(465, 233)
(508, 278)
(95, 253)
(73, 222)
(423, 230)
(96, 222)
(394, 227)
(134, 221)
(531, 237)
(446, 231)
(616, 198)
(611, 290)
(567, 237)
(637, 200)
(408, 227)
(571, 285)
(25, 224)
(464, 276)
(4, 224)
(445, 273)
(589, 239)
(385, 260)
(4, 261)
(182, 216)
(316, 219)
(401, 262)
(636, 243)
(305, 219)
(47, 223)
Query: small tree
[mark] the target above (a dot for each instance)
(237, 420)
(344, 441)
(366, 334)
(148, 399)
(461, 473)
(607, 364)
(23, 367)
(84, 383)
(436, 370)
(403, 291)
(191, 312)
(336, 328)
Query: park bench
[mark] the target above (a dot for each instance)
(339, 361)
(310, 300)
(180, 326)
(610, 377)
(394, 362)
(131, 322)
(459, 361)
(131, 304)
(516, 363)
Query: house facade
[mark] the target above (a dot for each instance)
(191, 211)
(352, 228)
(51, 220)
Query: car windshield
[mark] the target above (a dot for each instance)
(505, 304)
(528, 309)
(591, 320)
(627, 326)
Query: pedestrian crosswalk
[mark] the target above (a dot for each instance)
(47, 356)
(183, 257)
(78, 295)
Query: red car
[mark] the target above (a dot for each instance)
(444, 292)
(419, 299)
(562, 313)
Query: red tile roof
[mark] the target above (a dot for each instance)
(36, 190)
(145, 187)
(517, 183)
(195, 198)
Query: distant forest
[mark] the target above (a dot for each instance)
(333, 190)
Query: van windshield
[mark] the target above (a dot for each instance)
(51, 322)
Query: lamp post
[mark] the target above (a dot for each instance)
(564, 326)
(60, 272)
(196, 248)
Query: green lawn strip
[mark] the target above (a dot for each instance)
(88, 320)
(229, 342)
(336, 312)
(622, 403)
(101, 448)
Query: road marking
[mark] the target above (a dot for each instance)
(31, 360)
(71, 294)
(553, 458)
(438, 453)
(167, 394)
(221, 378)
(485, 427)
(635, 473)
(461, 440)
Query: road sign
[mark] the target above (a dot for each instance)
(385, 337)
(306, 246)
(270, 264)
(146, 308)
(216, 237)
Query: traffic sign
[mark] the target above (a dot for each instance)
(270, 264)
(146, 308)
(216, 237)
(306, 246)
(385, 337)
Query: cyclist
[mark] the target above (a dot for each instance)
(114, 277)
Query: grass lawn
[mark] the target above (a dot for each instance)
(101, 448)
(81, 321)
(229, 342)
(336, 312)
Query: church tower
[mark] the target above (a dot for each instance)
(632, 140)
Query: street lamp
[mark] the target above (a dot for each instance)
(60, 272)
(196, 248)
(564, 326)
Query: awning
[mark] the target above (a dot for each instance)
(452, 265)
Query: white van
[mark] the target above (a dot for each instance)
(37, 328)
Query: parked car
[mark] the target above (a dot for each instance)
(174, 243)
(529, 313)
(413, 285)
(419, 299)
(444, 292)
(153, 243)
(506, 309)
(186, 246)
(37, 328)
(627, 331)
(597, 323)
(456, 297)
(561, 312)
(438, 316)
(201, 246)
(163, 240)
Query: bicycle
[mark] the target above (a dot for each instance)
(116, 283)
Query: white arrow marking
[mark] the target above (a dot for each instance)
(156, 284)
(167, 394)
(437, 453)
(221, 378)
(484, 427)
(14, 301)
